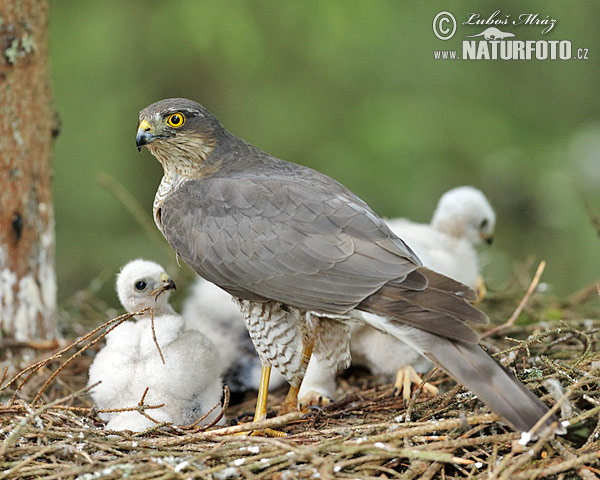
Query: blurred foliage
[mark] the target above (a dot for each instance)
(350, 88)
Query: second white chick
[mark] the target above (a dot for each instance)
(189, 383)
(211, 310)
(462, 219)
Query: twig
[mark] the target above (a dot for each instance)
(33, 367)
(557, 405)
(352, 438)
(594, 219)
(441, 425)
(141, 409)
(3, 376)
(135, 209)
(128, 409)
(588, 473)
(274, 422)
(404, 452)
(116, 321)
(558, 468)
(510, 322)
(13, 436)
(41, 363)
(221, 413)
(583, 295)
(141, 402)
(431, 471)
(27, 460)
(468, 442)
(154, 336)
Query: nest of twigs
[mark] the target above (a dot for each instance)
(50, 430)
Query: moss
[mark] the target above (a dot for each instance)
(532, 373)
(27, 43)
(552, 314)
(12, 52)
(20, 47)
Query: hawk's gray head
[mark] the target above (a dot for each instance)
(179, 132)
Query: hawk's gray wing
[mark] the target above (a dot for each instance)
(297, 242)
(307, 243)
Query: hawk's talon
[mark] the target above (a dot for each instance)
(290, 404)
(480, 289)
(313, 399)
(268, 432)
(263, 432)
(407, 375)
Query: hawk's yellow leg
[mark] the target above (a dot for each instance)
(480, 289)
(291, 399)
(261, 403)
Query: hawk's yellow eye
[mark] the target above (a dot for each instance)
(176, 120)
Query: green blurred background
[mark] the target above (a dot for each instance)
(350, 88)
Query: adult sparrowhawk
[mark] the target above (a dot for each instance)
(305, 256)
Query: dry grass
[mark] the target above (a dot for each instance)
(49, 429)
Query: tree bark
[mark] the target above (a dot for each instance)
(27, 127)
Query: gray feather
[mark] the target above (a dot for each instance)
(472, 366)
(491, 382)
(323, 257)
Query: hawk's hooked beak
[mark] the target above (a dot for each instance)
(144, 135)
(166, 283)
(487, 238)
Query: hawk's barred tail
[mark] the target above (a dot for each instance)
(491, 382)
(435, 322)
(470, 365)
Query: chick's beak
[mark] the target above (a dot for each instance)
(487, 237)
(167, 283)
(144, 135)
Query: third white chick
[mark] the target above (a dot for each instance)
(462, 219)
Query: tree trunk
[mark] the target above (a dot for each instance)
(27, 126)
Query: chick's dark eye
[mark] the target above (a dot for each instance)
(176, 120)
(140, 285)
(484, 223)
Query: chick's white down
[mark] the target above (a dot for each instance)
(462, 219)
(188, 383)
(212, 311)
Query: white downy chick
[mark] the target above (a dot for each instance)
(188, 383)
(212, 311)
(462, 219)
